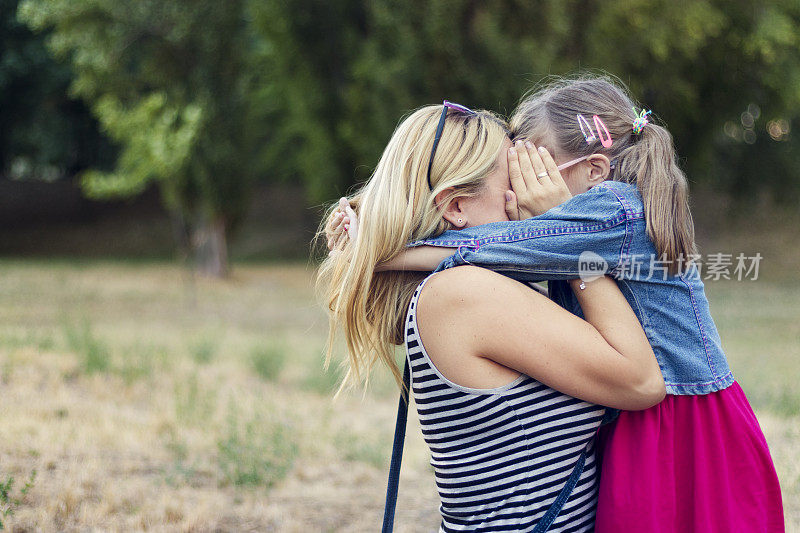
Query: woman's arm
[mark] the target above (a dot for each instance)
(421, 258)
(605, 359)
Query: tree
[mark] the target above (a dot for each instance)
(170, 83)
(722, 74)
(204, 97)
(44, 134)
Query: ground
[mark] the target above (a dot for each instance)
(146, 399)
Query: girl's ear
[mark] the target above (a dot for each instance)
(453, 211)
(599, 169)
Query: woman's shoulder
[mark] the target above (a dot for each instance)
(461, 283)
(456, 309)
(467, 291)
(457, 285)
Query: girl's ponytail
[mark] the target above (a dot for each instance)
(650, 162)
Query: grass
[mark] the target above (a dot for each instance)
(257, 451)
(268, 360)
(195, 403)
(11, 500)
(760, 327)
(146, 402)
(93, 352)
(140, 361)
(204, 350)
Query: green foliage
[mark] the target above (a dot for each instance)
(720, 73)
(321, 380)
(45, 134)
(157, 138)
(194, 405)
(168, 81)
(345, 72)
(365, 448)
(204, 97)
(43, 341)
(8, 501)
(140, 360)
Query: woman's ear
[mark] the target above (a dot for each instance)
(599, 169)
(452, 211)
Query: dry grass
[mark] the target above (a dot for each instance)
(146, 401)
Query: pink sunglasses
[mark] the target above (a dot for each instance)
(568, 164)
(590, 137)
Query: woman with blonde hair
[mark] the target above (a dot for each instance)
(508, 385)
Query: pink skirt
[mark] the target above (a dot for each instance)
(690, 463)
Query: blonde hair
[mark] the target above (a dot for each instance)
(548, 116)
(396, 206)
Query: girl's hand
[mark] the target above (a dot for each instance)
(535, 179)
(334, 230)
(342, 226)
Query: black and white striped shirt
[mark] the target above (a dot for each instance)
(502, 455)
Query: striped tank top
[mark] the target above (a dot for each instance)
(501, 456)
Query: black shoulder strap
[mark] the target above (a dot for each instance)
(397, 453)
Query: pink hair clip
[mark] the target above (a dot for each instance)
(606, 142)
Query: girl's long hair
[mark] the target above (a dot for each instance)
(396, 206)
(548, 116)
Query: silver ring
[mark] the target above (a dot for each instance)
(542, 175)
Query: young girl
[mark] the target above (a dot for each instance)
(697, 461)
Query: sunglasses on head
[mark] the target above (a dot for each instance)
(446, 105)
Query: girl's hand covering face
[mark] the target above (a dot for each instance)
(535, 179)
(342, 226)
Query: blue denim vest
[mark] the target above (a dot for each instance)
(608, 220)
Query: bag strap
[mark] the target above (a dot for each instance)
(550, 515)
(397, 453)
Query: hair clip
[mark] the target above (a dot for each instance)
(641, 121)
(586, 129)
(607, 142)
(589, 133)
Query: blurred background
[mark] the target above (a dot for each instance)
(163, 168)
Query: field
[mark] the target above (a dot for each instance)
(144, 399)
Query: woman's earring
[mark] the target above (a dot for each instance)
(460, 221)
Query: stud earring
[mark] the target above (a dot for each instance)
(460, 220)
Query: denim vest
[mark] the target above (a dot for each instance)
(604, 230)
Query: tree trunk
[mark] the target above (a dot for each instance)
(211, 247)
